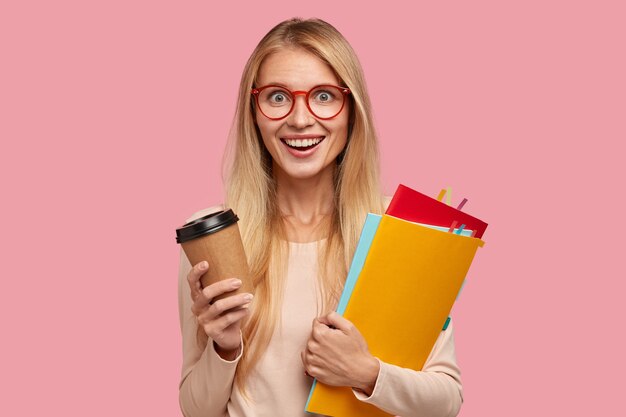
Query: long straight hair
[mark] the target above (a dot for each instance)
(251, 188)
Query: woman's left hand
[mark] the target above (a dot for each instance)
(337, 354)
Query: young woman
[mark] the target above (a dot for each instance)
(303, 175)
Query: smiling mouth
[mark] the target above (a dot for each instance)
(302, 144)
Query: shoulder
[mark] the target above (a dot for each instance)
(204, 212)
(386, 201)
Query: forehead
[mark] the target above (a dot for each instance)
(295, 69)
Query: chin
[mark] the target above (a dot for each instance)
(304, 173)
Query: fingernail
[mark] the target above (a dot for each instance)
(248, 297)
(203, 265)
(236, 282)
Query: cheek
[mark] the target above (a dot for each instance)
(342, 129)
(265, 132)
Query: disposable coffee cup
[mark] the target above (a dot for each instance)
(215, 238)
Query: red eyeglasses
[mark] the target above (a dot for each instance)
(323, 101)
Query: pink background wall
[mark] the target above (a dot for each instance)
(113, 119)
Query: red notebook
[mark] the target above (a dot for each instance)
(414, 206)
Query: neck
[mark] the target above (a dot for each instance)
(306, 204)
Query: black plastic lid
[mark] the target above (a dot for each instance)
(205, 225)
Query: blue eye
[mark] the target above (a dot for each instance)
(323, 96)
(277, 97)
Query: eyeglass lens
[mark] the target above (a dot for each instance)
(324, 101)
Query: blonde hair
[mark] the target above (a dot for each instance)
(251, 188)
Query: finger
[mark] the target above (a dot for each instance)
(314, 372)
(319, 331)
(234, 301)
(207, 294)
(207, 311)
(229, 318)
(339, 322)
(215, 328)
(221, 287)
(312, 347)
(323, 320)
(305, 360)
(193, 278)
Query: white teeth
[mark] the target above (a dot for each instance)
(302, 143)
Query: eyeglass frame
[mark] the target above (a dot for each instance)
(256, 91)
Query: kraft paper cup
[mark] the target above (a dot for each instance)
(215, 238)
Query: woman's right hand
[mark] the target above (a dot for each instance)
(220, 320)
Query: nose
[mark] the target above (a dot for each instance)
(300, 116)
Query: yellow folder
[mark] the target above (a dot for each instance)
(400, 302)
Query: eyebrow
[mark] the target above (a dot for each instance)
(289, 88)
(277, 83)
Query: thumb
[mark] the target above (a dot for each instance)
(337, 321)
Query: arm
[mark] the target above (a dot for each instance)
(435, 391)
(206, 379)
(337, 354)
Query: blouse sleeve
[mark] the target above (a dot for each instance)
(206, 379)
(435, 391)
